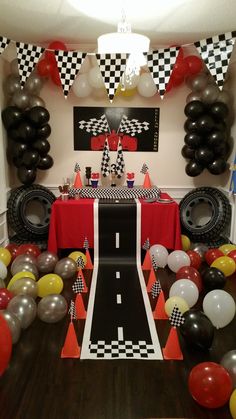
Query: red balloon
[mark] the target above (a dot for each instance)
(195, 259)
(176, 79)
(49, 55)
(210, 384)
(5, 297)
(169, 86)
(55, 76)
(30, 249)
(12, 247)
(188, 272)
(5, 345)
(194, 64)
(180, 69)
(232, 255)
(44, 68)
(212, 254)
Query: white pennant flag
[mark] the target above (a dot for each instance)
(112, 66)
(28, 55)
(69, 64)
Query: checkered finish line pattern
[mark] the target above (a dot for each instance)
(69, 64)
(115, 193)
(28, 55)
(133, 126)
(121, 349)
(95, 126)
(112, 66)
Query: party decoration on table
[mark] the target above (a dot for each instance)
(120, 164)
(28, 56)
(232, 187)
(77, 181)
(112, 66)
(147, 181)
(5, 344)
(197, 329)
(130, 179)
(105, 164)
(94, 179)
(71, 347)
(69, 64)
(88, 170)
(172, 348)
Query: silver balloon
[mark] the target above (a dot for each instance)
(12, 85)
(25, 286)
(2, 283)
(25, 266)
(22, 258)
(33, 84)
(66, 268)
(13, 324)
(46, 262)
(52, 308)
(14, 67)
(36, 101)
(193, 96)
(200, 248)
(229, 363)
(210, 93)
(224, 97)
(21, 99)
(199, 82)
(24, 307)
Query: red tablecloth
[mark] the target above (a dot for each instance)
(71, 221)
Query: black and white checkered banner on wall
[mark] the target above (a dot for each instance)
(105, 164)
(96, 126)
(216, 53)
(132, 126)
(69, 64)
(112, 66)
(120, 163)
(3, 43)
(28, 55)
(160, 64)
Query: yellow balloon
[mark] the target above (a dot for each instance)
(232, 404)
(5, 256)
(76, 255)
(185, 242)
(179, 302)
(128, 92)
(19, 275)
(226, 248)
(225, 264)
(49, 284)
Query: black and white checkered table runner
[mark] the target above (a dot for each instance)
(115, 193)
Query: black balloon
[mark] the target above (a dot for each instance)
(44, 131)
(220, 126)
(11, 117)
(219, 110)
(204, 156)
(194, 109)
(45, 162)
(26, 176)
(213, 279)
(205, 124)
(190, 126)
(193, 168)
(215, 138)
(30, 159)
(193, 140)
(26, 132)
(188, 152)
(42, 146)
(217, 167)
(221, 149)
(18, 149)
(197, 330)
(38, 115)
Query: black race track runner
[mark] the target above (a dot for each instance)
(119, 321)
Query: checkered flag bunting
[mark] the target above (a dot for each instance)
(160, 64)
(69, 64)
(176, 317)
(216, 53)
(112, 66)
(80, 262)
(156, 288)
(132, 126)
(72, 311)
(28, 55)
(154, 264)
(96, 126)
(3, 43)
(77, 168)
(105, 165)
(78, 285)
(146, 244)
(86, 244)
(144, 169)
(120, 163)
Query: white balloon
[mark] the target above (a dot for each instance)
(146, 86)
(95, 78)
(219, 306)
(177, 259)
(81, 86)
(85, 67)
(3, 270)
(186, 289)
(130, 81)
(159, 254)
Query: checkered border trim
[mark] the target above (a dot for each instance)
(121, 349)
(115, 193)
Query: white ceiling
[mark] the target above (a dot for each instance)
(77, 22)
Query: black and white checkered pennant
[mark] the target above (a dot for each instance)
(154, 264)
(72, 311)
(77, 168)
(160, 64)
(216, 53)
(69, 63)
(86, 243)
(96, 126)
(105, 165)
(28, 55)
(120, 163)
(132, 126)
(78, 285)
(3, 43)
(144, 169)
(80, 262)
(112, 66)
(176, 317)
(156, 288)
(146, 244)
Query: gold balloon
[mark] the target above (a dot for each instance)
(225, 264)
(5, 256)
(175, 301)
(226, 248)
(128, 92)
(76, 255)
(18, 275)
(185, 242)
(232, 404)
(50, 284)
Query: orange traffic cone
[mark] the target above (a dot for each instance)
(147, 263)
(77, 181)
(71, 348)
(172, 349)
(89, 264)
(147, 181)
(151, 280)
(159, 311)
(79, 307)
(80, 273)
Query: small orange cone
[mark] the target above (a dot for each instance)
(80, 273)
(77, 181)
(159, 311)
(89, 264)
(172, 349)
(79, 307)
(147, 263)
(151, 280)
(71, 348)
(147, 181)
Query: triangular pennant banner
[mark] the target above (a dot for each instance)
(3, 43)
(160, 64)
(28, 55)
(216, 53)
(112, 66)
(105, 164)
(69, 64)
(120, 163)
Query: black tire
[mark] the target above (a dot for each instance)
(42, 244)
(219, 212)
(217, 242)
(29, 209)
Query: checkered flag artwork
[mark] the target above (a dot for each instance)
(86, 244)
(80, 262)
(28, 55)
(69, 64)
(216, 53)
(176, 317)
(156, 288)
(160, 64)
(132, 126)
(77, 168)
(3, 43)
(96, 126)
(144, 169)
(72, 311)
(120, 163)
(154, 264)
(112, 66)
(78, 285)
(105, 165)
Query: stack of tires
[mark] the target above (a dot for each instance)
(28, 215)
(212, 229)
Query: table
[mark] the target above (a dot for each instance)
(71, 221)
